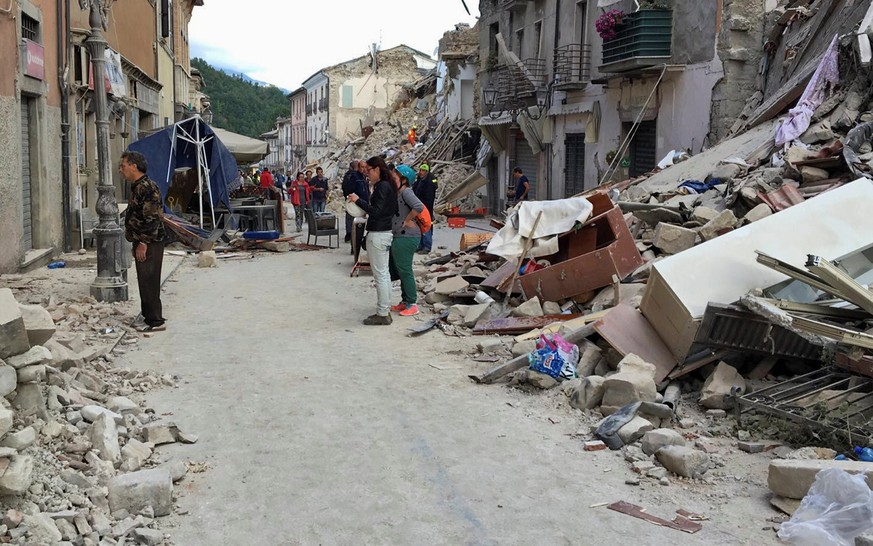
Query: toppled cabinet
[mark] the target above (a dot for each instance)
(588, 257)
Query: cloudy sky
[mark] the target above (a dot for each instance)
(284, 42)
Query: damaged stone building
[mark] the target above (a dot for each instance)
(572, 108)
(343, 98)
(48, 174)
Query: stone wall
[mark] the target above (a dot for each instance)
(10, 184)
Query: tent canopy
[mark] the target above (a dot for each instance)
(178, 146)
(244, 149)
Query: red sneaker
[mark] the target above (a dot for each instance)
(409, 311)
(399, 307)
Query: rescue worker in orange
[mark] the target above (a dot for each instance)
(410, 136)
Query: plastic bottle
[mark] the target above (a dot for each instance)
(57, 265)
(864, 454)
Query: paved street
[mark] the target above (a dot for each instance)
(318, 430)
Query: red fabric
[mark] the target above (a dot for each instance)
(266, 179)
(295, 190)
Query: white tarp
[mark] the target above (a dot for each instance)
(558, 216)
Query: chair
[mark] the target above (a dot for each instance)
(88, 222)
(315, 231)
(267, 216)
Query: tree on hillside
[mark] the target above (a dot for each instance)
(241, 106)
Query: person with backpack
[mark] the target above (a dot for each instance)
(425, 190)
(407, 236)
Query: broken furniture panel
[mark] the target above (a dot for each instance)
(828, 400)
(614, 253)
(499, 276)
(518, 325)
(681, 522)
(724, 269)
(628, 332)
(728, 327)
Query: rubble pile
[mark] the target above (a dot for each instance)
(77, 452)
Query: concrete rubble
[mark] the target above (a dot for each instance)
(78, 463)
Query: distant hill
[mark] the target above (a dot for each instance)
(240, 104)
(246, 77)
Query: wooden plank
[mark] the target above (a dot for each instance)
(518, 325)
(556, 326)
(628, 331)
(519, 362)
(680, 523)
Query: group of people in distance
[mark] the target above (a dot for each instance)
(393, 196)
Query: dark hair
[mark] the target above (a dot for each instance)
(137, 159)
(298, 175)
(319, 169)
(377, 161)
(517, 170)
(353, 164)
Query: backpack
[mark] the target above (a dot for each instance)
(424, 221)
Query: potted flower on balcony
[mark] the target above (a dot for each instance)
(607, 22)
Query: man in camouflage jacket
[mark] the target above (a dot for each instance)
(144, 228)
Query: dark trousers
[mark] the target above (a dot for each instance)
(349, 220)
(148, 277)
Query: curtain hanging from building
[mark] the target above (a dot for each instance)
(592, 128)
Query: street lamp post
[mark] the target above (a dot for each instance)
(110, 285)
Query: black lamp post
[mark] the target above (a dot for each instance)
(110, 285)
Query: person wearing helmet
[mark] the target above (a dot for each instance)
(410, 136)
(425, 189)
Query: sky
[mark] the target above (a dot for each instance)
(283, 42)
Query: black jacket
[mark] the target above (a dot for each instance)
(425, 190)
(382, 206)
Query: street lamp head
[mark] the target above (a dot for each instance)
(489, 96)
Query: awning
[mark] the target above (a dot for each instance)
(244, 149)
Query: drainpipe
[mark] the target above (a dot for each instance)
(548, 147)
(63, 18)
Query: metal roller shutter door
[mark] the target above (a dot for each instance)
(527, 161)
(574, 164)
(27, 236)
(643, 149)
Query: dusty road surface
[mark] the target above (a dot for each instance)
(316, 429)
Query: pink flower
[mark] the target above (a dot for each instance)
(607, 22)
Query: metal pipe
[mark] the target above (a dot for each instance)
(63, 15)
(672, 395)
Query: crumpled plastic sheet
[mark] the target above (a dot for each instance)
(856, 137)
(837, 508)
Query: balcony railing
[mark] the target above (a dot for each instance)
(573, 66)
(643, 39)
(519, 81)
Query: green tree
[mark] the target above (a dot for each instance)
(241, 106)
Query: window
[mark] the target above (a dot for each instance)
(537, 39)
(581, 22)
(29, 28)
(347, 96)
(519, 42)
(574, 164)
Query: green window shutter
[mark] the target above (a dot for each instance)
(347, 96)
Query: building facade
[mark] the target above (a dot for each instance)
(297, 99)
(317, 118)
(604, 109)
(48, 172)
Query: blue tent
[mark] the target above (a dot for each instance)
(189, 143)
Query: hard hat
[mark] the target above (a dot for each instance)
(406, 172)
(424, 167)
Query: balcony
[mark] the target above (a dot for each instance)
(322, 103)
(572, 66)
(519, 81)
(515, 5)
(643, 40)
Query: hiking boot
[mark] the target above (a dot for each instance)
(378, 320)
(399, 307)
(410, 310)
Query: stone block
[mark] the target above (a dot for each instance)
(22, 439)
(683, 461)
(725, 220)
(33, 356)
(18, 476)
(726, 172)
(137, 490)
(32, 374)
(207, 258)
(42, 529)
(38, 323)
(272, 246)
(760, 211)
(660, 437)
(818, 132)
(717, 387)
(134, 454)
(92, 412)
(8, 379)
(704, 214)
(451, 285)
(672, 239)
(530, 308)
(811, 175)
(475, 313)
(6, 420)
(589, 356)
(634, 429)
(158, 434)
(634, 381)
(63, 358)
(589, 393)
(13, 334)
(121, 405)
(524, 347)
(104, 438)
(792, 478)
(29, 401)
(551, 308)
(148, 537)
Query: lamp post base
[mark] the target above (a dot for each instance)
(109, 289)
